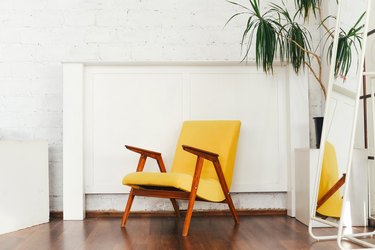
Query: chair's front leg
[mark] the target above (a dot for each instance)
(141, 164)
(193, 195)
(214, 158)
(127, 208)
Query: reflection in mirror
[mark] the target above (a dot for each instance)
(370, 67)
(371, 147)
(329, 200)
(340, 115)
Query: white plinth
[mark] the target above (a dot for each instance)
(305, 171)
(24, 188)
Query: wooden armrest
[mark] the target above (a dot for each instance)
(201, 153)
(147, 153)
(331, 191)
(144, 152)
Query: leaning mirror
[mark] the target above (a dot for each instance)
(340, 195)
(370, 105)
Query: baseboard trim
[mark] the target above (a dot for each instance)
(56, 215)
(117, 214)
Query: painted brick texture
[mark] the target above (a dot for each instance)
(36, 36)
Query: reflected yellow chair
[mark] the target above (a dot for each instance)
(329, 199)
(202, 168)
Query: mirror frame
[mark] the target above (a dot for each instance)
(358, 78)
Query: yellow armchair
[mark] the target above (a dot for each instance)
(329, 199)
(202, 168)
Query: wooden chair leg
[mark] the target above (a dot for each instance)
(232, 208)
(225, 189)
(127, 208)
(175, 207)
(189, 213)
(193, 194)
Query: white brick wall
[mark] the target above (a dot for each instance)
(36, 36)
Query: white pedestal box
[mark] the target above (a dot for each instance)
(305, 171)
(24, 186)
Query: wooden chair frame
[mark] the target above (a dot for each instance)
(331, 191)
(182, 195)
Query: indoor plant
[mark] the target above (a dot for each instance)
(280, 34)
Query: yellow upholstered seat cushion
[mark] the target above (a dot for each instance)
(328, 178)
(208, 189)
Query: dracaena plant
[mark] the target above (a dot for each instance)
(279, 33)
(347, 41)
(263, 27)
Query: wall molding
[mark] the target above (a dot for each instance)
(118, 214)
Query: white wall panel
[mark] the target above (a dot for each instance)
(143, 110)
(253, 98)
(145, 105)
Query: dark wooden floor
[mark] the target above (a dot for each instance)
(255, 232)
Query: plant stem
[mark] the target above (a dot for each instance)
(323, 24)
(318, 78)
(317, 57)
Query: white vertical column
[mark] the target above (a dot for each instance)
(299, 135)
(73, 177)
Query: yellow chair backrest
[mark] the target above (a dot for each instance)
(220, 137)
(328, 178)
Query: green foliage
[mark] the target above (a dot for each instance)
(347, 41)
(265, 45)
(306, 6)
(278, 30)
(262, 27)
(295, 38)
(275, 30)
(295, 53)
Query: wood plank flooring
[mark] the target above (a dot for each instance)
(206, 232)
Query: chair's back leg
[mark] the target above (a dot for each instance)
(228, 199)
(175, 207)
(225, 189)
(127, 208)
(162, 168)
